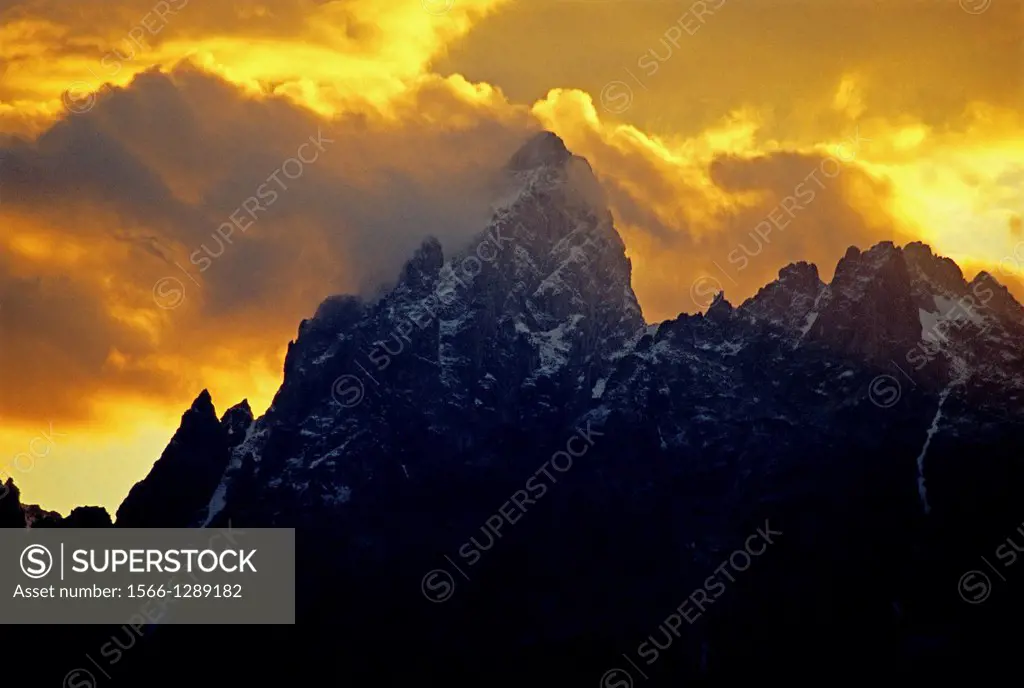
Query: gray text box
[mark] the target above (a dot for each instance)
(159, 575)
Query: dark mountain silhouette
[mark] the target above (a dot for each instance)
(181, 481)
(503, 432)
(14, 514)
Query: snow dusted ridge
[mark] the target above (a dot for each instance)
(405, 423)
(538, 306)
(904, 308)
(534, 326)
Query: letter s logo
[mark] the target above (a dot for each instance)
(36, 561)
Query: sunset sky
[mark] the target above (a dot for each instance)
(130, 131)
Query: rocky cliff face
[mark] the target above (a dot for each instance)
(504, 416)
(14, 514)
(513, 330)
(177, 488)
(11, 512)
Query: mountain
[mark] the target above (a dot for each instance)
(509, 335)
(180, 482)
(14, 514)
(782, 487)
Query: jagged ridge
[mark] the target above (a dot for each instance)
(406, 422)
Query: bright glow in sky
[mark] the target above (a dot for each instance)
(131, 130)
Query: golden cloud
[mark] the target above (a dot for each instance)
(729, 140)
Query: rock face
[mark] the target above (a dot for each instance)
(868, 310)
(36, 517)
(87, 517)
(179, 485)
(792, 301)
(13, 514)
(509, 335)
(503, 424)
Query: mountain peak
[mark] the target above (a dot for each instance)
(242, 406)
(236, 421)
(720, 308)
(801, 272)
(11, 515)
(933, 273)
(542, 149)
(919, 247)
(868, 309)
(87, 517)
(425, 263)
(996, 296)
(881, 253)
(986, 278)
(203, 403)
(239, 410)
(186, 473)
(790, 300)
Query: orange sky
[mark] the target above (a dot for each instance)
(130, 131)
